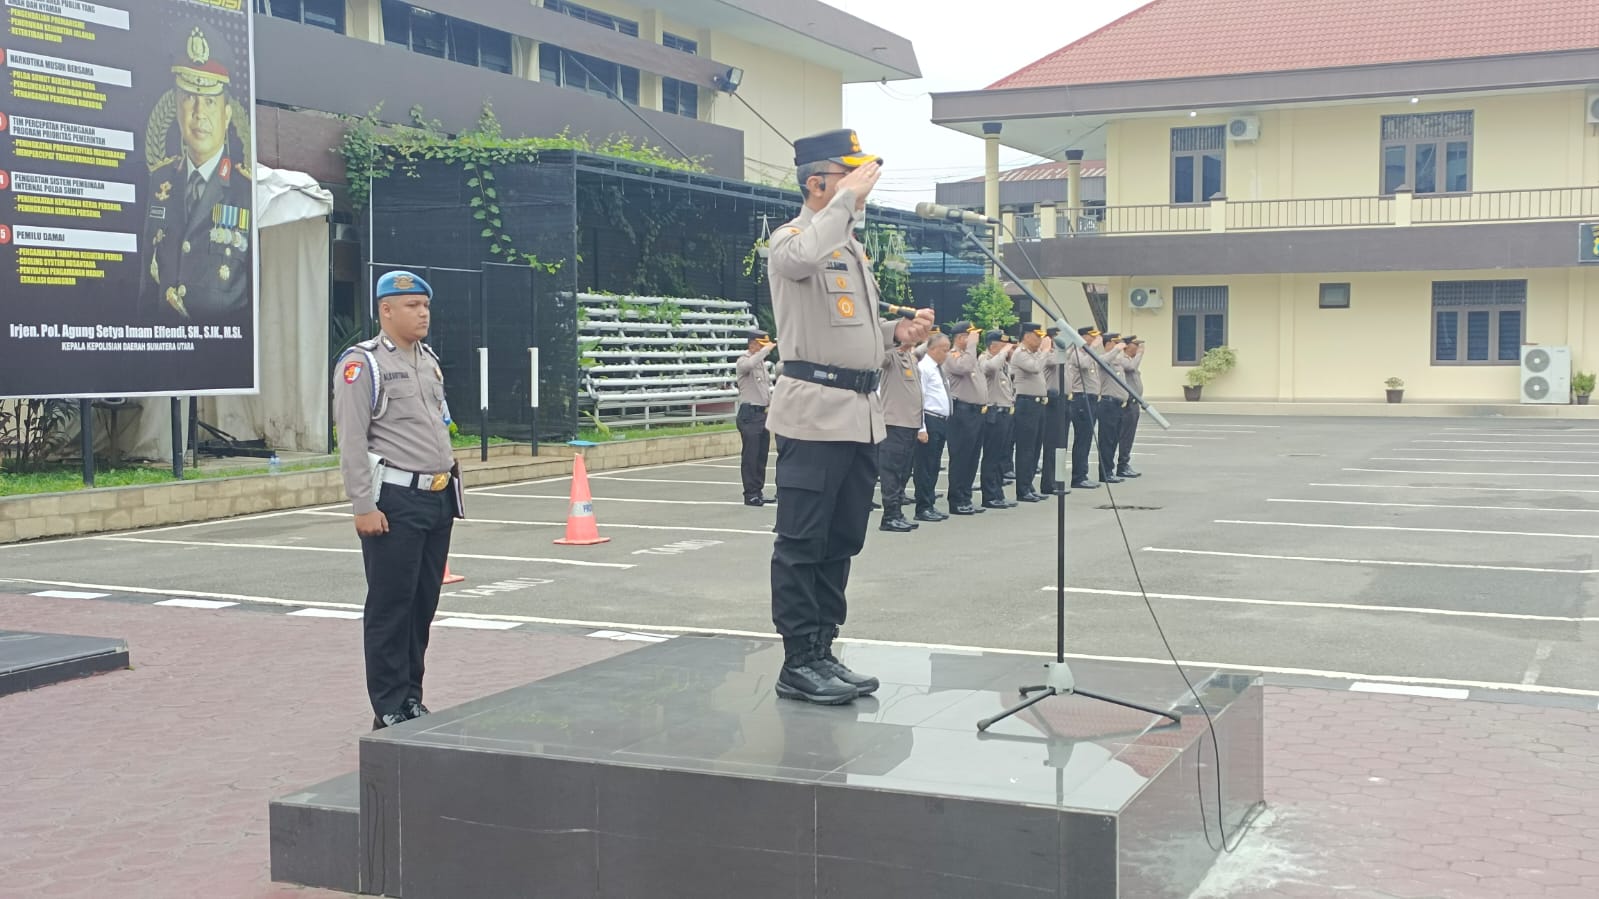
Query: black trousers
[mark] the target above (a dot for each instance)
(930, 461)
(1057, 421)
(1129, 430)
(404, 570)
(757, 444)
(998, 425)
(895, 456)
(1029, 433)
(1109, 413)
(965, 448)
(821, 524)
(1082, 421)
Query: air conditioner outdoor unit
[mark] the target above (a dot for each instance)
(1546, 374)
(1244, 127)
(1144, 298)
(1593, 109)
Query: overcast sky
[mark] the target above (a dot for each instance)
(966, 47)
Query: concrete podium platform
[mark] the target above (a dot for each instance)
(674, 771)
(29, 661)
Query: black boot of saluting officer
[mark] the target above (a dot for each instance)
(826, 410)
(404, 486)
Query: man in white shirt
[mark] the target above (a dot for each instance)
(935, 421)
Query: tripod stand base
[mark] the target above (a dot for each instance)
(1060, 682)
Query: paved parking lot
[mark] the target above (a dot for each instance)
(1456, 553)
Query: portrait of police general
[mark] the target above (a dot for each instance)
(197, 263)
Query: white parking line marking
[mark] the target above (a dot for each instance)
(347, 550)
(949, 647)
(605, 477)
(1182, 435)
(1341, 606)
(1410, 690)
(1214, 552)
(1478, 474)
(196, 603)
(566, 477)
(617, 499)
(1480, 430)
(1494, 461)
(68, 594)
(1456, 489)
(1387, 527)
(1539, 656)
(1344, 502)
(476, 624)
(609, 524)
(346, 614)
(625, 637)
(1520, 448)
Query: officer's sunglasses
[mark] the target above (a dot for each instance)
(825, 175)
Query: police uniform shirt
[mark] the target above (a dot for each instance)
(754, 385)
(825, 301)
(198, 264)
(1108, 386)
(996, 370)
(407, 428)
(1082, 373)
(902, 390)
(1028, 367)
(1135, 378)
(966, 385)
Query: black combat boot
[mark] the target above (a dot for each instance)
(864, 684)
(805, 677)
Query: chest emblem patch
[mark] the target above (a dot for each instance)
(846, 307)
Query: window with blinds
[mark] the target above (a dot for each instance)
(1430, 153)
(1478, 322)
(1199, 322)
(1198, 163)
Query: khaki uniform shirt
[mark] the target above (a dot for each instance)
(1108, 385)
(996, 368)
(407, 426)
(902, 390)
(1082, 372)
(1135, 378)
(1028, 368)
(965, 383)
(754, 385)
(825, 301)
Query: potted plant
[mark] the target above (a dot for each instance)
(1396, 389)
(1216, 361)
(1582, 384)
(1198, 377)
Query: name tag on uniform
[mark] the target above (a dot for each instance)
(838, 266)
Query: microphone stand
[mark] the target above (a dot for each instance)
(1058, 679)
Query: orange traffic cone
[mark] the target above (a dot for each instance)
(451, 578)
(581, 529)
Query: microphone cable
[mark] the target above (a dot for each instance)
(1254, 811)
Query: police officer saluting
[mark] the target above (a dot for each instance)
(902, 413)
(754, 395)
(1132, 358)
(1028, 365)
(1082, 393)
(998, 420)
(968, 390)
(404, 486)
(826, 409)
(1113, 399)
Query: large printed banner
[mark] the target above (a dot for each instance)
(127, 233)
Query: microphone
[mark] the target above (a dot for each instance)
(935, 211)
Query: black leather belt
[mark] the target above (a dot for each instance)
(962, 404)
(1040, 400)
(754, 406)
(854, 379)
(934, 415)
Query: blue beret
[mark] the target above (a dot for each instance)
(399, 284)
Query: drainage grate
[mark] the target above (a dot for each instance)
(1108, 507)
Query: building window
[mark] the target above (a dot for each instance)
(327, 14)
(1198, 158)
(589, 73)
(1199, 322)
(679, 97)
(1430, 153)
(1478, 322)
(445, 37)
(1335, 296)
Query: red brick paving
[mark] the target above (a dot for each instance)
(155, 782)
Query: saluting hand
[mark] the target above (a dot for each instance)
(372, 524)
(861, 180)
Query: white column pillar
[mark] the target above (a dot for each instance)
(991, 176)
(1074, 188)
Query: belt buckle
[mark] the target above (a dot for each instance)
(440, 481)
(983, 410)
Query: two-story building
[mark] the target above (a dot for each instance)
(729, 81)
(1342, 191)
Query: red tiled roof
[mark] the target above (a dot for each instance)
(1197, 38)
(1047, 171)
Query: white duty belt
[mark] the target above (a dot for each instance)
(430, 482)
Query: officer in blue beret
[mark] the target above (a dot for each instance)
(404, 486)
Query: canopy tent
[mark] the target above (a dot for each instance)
(291, 411)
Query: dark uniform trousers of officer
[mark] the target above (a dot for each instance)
(404, 424)
(1083, 414)
(1109, 415)
(997, 436)
(895, 457)
(1129, 429)
(821, 524)
(965, 446)
(756, 449)
(1029, 430)
(930, 459)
